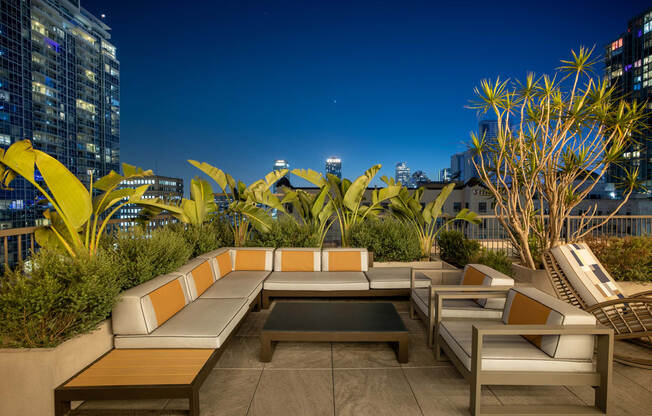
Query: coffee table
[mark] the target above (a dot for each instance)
(334, 322)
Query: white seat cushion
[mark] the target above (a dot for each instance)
(245, 284)
(455, 308)
(205, 323)
(394, 278)
(504, 352)
(316, 281)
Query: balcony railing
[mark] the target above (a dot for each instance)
(17, 242)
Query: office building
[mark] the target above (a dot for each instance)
(462, 167)
(60, 88)
(445, 175)
(402, 173)
(334, 166)
(280, 164)
(164, 187)
(628, 68)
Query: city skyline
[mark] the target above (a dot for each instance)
(349, 85)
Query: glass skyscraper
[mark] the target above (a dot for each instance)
(628, 68)
(402, 174)
(334, 166)
(60, 88)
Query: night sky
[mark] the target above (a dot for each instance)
(241, 83)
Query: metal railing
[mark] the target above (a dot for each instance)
(18, 242)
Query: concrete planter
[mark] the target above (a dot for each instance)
(30, 375)
(537, 278)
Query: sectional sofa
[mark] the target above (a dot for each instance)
(200, 304)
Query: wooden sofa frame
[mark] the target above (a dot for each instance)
(63, 395)
(601, 378)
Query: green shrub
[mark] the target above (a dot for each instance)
(389, 239)
(456, 249)
(60, 298)
(628, 258)
(206, 237)
(285, 232)
(497, 260)
(139, 257)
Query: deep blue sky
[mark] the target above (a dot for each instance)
(241, 83)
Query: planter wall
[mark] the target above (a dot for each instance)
(537, 278)
(30, 375)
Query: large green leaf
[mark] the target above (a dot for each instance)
(216, 174)
(70, 194)
(260, 219)
(435, 207)
(353, 195)
(20, 157)
(130, 171)
(311, 176)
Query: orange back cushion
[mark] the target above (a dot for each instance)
(167, 300)
(472, 276)
(203, 277)
(527, 311)
(224, 263)
(298, 261)
(250, 259)
(345, 261)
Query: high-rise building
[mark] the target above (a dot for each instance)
(445, 175)
(280, 164)
(334, 166)
(628, 68)
(462, 167)
(418, 178)
(488, 129)
(402, 173)
(164, 187)
(60, 88)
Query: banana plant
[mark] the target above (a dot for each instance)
(407, 207)
(194, 211)
(313, 210)
(347, 198)
(248, 206)
(77, 218)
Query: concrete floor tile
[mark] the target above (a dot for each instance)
(301, 355)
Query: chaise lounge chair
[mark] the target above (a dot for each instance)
(579, 279)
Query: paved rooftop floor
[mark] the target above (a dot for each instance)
(362, 379)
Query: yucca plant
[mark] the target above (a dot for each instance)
(79, 215)
(557, 137)
(248, 206)
(347, 198)
(314, 211)
(407, 207)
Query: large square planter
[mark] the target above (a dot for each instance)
(30, 375)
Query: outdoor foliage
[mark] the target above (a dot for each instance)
(389, 239)
(313, 211)
(206, 237)
(456, 249)
(347, 199)
(557, 136)
(628, 258)
(407, 207)
(248, 206)
(138, 257)
(285, 232)
(79, 215)
(497, 260)
(61, 297)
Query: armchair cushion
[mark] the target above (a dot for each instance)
(591, 281)
(479, 274)
(252, 258)
(454, 308)
(527, 305)
(505, 352)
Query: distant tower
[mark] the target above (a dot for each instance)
(402, 174)
(445, 175)
(419, 178)
(334, 166)
(280, 164)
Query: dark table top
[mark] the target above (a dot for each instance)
(335, 317)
